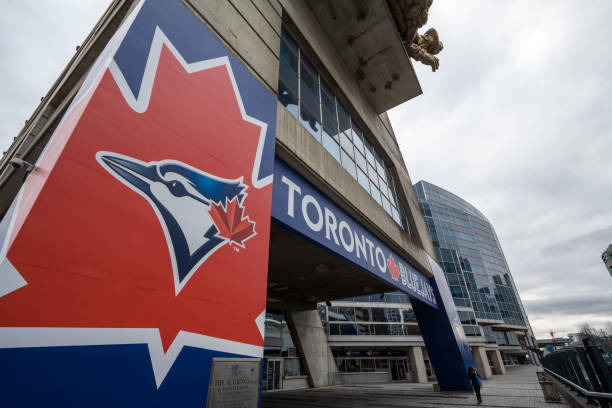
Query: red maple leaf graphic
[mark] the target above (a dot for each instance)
(393, 267)
(232, 225)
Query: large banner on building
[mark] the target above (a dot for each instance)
(137, 250)
(300, 206)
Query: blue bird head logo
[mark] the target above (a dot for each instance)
(182, 197)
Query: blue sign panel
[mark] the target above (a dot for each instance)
(445, 340)
(300, 206)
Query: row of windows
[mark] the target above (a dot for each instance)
(473, 331)
(393, 297)
(491, 298)
(306, 95)
(364, 329)
(367, 314)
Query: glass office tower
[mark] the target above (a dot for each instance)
(476, 269)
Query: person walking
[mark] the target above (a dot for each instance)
(476, 383)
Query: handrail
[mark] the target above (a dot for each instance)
(587, 393)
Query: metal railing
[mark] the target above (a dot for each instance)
(584, 369)
(586, 393)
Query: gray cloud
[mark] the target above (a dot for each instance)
(37, 39)
(516, 121)
(588, 303)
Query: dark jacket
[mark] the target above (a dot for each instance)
(472, 373)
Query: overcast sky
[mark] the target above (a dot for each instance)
(517, 121)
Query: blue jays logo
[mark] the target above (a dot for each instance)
(170, 130)
(185, 200)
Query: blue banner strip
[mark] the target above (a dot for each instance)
(298, 205)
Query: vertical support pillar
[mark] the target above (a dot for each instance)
(446, 343)
(418, 364)
(313, 348)
(498, 362)
(482, 362)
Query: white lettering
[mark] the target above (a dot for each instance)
(315, 226)
(403, 276)
(380, 260)
(370, 246)
(292, 189)
(330, 225)
(349, 247)
(360, 244)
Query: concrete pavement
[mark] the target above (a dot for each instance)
(519, 388)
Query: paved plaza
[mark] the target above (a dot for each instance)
(518, 388)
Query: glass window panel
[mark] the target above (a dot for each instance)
(370, 158)
(289, 56)
(386, 205)
(353, 365)
(369, 153)
(358, 142)
(325, 88)
(367, 365)
(382, 364)
(356, 128)
(376, 194)
(330, 124)
(287, 37)
(288, 99)
(383, 186)
(291, 367)
(344, 120)
(381, 329)
(348, 329)
(348, 164)
(372, 175)
(289, 77)
(408, 315)
(346, 144)
(392, 197)
(341, 313)
(310, 82)
(379, 166)
(329, 103)
(361, 161)
(363, 180)
(308, 65)
(310, 122)
(311, 102)
(331, 146)
(378, 314)
(396, 215)
(362, 314)
(334, 329)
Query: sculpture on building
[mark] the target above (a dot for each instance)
(409, 16)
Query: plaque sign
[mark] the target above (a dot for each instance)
(234, 383)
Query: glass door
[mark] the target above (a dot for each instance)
(398, 370)
(272, 378)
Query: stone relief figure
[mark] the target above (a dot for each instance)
(409, 16)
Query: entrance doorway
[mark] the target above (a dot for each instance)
(399, 371)
(272, 378)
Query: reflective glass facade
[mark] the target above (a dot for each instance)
(472, 258)
(306, 95)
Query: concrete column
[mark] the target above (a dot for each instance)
(482, 362)
(313, 348)
(498, 362)
(415, 354)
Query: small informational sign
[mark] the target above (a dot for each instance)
(234, 383)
